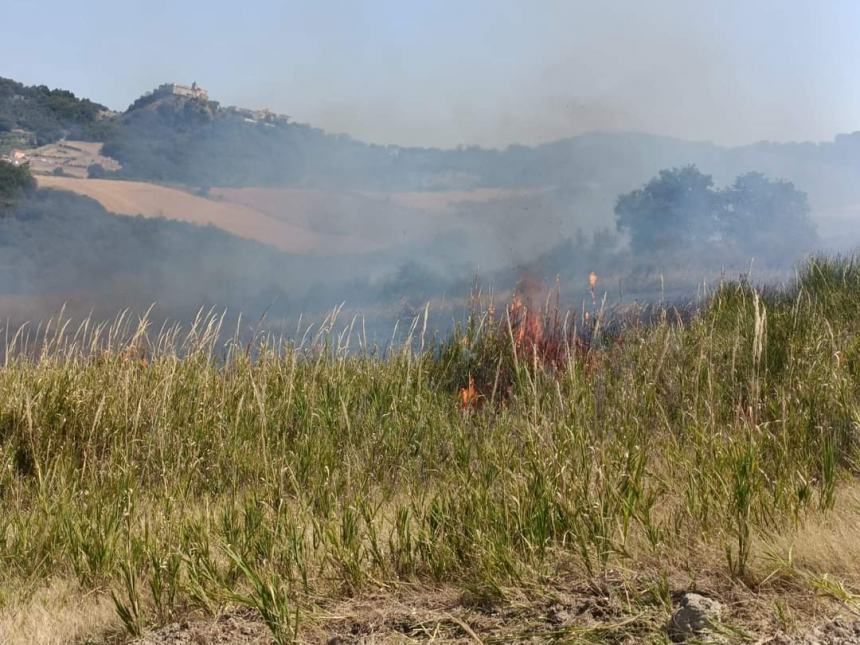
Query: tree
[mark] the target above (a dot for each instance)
(96, 171)
(14, 181)
(48, 114)
(765, 218)
(676, 209)
(680, 210)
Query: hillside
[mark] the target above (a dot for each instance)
(62, 247)
(297, 220)
(69, 158)
(59, 247)
(151, 200)
(199, 143)
(37, 115)
(195, 142)
(378, 224)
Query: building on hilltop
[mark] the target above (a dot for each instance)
(264, 117)
(192, 92)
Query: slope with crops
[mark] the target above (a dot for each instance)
(531, 476)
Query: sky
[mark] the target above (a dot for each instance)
(447, 73)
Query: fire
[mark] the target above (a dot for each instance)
(526, 324)
(469, 395)
(540, 336)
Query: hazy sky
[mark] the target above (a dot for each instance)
(442, 73)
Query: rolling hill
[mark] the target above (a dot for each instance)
(153, 200)
(37, 115)
(302, 221)
(571, 184)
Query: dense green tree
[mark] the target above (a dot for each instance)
(677, 208)
(14, 181)
(681, 210)
(48, 114)
(767, 218)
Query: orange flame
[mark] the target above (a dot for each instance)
(527, 325)
(592, 280)
(469, 395)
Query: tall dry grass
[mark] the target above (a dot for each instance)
(169, 471)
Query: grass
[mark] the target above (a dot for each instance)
(169, 473)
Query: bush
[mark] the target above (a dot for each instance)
(14, 180)
(96, 171)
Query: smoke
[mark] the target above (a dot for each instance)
(386, 229)
(546, 211)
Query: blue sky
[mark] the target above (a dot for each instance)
(443, 73)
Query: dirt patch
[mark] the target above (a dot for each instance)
(446, 615)
(839, 631)
(293, 220)
(306, 221)
(441, 615)
(72, 157)
(242, 627)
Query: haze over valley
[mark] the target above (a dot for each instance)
(383, 228)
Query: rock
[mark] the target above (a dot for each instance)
(696, 616)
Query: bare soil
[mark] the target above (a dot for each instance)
(240, 627)
(448, 616)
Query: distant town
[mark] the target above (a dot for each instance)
(195, 91)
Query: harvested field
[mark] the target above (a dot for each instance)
(353, 221)
(294, 220)
(152, 200)
(72, 157)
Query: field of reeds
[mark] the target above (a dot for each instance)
(530, 475)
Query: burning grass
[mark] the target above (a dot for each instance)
(533, 333)
(535, 465)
